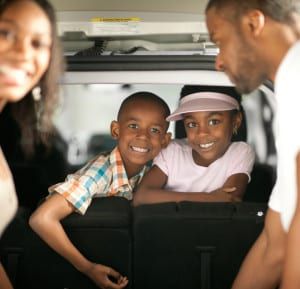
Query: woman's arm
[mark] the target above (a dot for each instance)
(4, 280)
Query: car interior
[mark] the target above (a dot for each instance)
(113, 49)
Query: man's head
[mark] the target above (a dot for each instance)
(278, 10)
(141, 129)
(253, 36)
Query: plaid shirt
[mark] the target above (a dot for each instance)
(104, 176)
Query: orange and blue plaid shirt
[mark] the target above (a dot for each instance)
(104, 176)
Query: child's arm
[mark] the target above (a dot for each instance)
(45, 221)
(150, 190)
(234, 188)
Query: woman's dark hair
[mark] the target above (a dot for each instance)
(35, 117)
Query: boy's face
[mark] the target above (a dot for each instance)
(209, 134)
(141, 133)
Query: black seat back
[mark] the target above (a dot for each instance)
(178, 246)
(103, 235)
(193, 245)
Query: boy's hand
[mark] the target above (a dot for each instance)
(103, 276)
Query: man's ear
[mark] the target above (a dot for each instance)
(115, 129)
(254, 22)
(166, 139)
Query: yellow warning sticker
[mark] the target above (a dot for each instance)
(126, 19)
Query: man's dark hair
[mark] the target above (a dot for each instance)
(279, 10)
(144, 95)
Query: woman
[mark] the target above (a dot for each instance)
(30, 64)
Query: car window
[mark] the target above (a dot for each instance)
(86, 111)
(84, 116)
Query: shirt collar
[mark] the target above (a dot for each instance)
(119, 175)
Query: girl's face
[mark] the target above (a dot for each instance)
(209, 134)
(25, 44)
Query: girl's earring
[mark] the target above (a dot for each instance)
(235, 130)
(36, 93)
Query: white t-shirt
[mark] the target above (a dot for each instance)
(176, 161)
(8, 197)
(287, 132)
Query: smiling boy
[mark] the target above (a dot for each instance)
(141, 132)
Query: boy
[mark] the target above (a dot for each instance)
(141, 132)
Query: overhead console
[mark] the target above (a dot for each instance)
(94, 33)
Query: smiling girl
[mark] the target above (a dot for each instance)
(206, 166)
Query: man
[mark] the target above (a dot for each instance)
(259, 41)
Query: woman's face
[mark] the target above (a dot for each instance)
(25, 45)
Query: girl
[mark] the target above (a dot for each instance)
(206, 166)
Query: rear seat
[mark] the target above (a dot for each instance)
(185, 245)
(193, 245)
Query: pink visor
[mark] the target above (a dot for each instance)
(203, 101)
